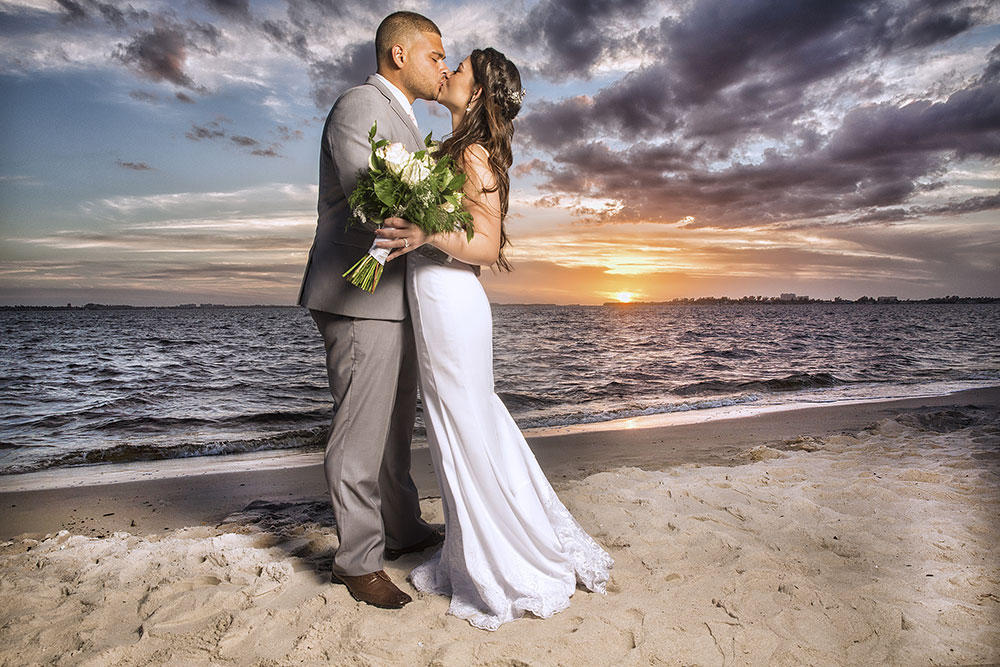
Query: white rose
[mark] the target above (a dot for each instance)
(448, 207)
(414, 172)
(396, 157)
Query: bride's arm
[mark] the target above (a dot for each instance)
(484, 248)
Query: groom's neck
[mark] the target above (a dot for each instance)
(394, 78)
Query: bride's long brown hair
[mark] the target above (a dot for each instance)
(490, 123)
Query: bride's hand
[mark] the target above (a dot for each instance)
(399, 236)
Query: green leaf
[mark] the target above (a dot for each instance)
(371, 132)
(384, 191)
(427, 140)
(457, 182)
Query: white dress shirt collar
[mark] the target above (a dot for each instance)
(400, 97)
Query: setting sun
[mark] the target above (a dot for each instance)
(624, 297)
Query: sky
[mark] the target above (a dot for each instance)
(163, 152)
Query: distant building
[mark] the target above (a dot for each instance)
(800, 297)
(888, 299)
(788, 297)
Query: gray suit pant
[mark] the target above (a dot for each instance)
(372, 369)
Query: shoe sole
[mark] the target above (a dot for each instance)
(394, 554)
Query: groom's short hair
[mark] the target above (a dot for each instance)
(397, 28)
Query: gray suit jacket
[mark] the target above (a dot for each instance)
(337, 245)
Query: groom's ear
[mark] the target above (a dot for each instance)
(398, 54)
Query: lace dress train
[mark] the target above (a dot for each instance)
(511, 546)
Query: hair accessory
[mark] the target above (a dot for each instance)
(517, 97)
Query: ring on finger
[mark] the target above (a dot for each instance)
(406, 242)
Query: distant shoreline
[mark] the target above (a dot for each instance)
(700, 301)
(776, 301)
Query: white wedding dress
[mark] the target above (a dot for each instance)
(510, 545)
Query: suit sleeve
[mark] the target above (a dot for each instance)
(347, 133)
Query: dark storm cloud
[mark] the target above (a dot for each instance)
(82, 10)
(282, 34)
(183, 97)
(728, 69)
(234, 8)
(967, 123)
(971, 205)
(74, 10)
(316, 15)
(574, 35)
(332, 77)
(311, 22)
(932, 22)
(728, 74)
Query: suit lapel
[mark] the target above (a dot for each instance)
(394, 104)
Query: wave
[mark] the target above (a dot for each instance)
(794, 382)
(147, 424)
(630, 412)
(129, 453)
(522, 400)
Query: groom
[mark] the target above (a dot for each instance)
(370, 357)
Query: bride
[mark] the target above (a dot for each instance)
(510, 545)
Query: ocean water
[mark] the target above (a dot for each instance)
(84, 387)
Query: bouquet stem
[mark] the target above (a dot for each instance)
(367, 271)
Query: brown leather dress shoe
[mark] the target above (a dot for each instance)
(375, 589)
(435, 538)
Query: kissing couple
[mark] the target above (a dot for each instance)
(509, 545)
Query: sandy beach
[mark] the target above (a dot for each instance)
(838, 535)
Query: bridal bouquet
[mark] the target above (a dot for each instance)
(412, 186)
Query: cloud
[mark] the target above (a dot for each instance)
(85, 10)
(135, 166)
(271, 151)
(233, 8)
(683, 138)
(282, 34)
(274, 203)
(211, 130)
(158, 55)
(573, 35)
(161, 54)
(285, 133)
(332, 77)
(144, 96)
(214, 130)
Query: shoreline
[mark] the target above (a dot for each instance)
(272, 459)
(165, 495)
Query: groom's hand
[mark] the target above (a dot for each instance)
(400, 236)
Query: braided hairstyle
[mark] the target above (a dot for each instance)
(489, 122)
